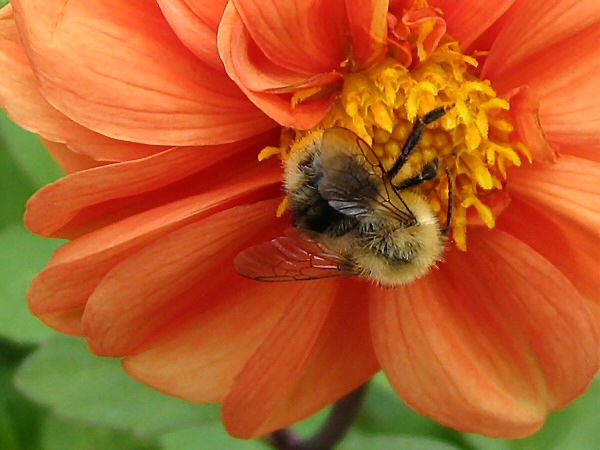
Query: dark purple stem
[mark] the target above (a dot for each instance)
(332, 431)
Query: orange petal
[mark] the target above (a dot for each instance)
(196, 23)
(319, 351)
(128, 93)
(489, 343)
(569, 113)
(68, 160)
(189, 267)
(89, 199)
(67, 321)
(368, 27)
(235, 47)
(417, 21)
(206, 322)
(556, 55)
(565, 191)
(199, 359)
(564, 198)
(524, 112)
(278, 29)
(466, 20)
(77, 268)
(562, 242)
(21, 98)
(257, 73)
(538, 29)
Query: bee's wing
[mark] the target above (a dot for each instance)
(353, 179)
(290, 258)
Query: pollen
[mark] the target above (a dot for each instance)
(474, 140)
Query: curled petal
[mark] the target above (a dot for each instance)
(278, 29)
(196, 23)
(256, 73)
(425, 24)
(491, 342)
(428, 27)
(524, 112)
(97, 63)
(235, 46)
(318, 351)
(368, 27)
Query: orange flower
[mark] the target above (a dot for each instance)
(158, 111)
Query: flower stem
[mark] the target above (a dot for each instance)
(332, 431)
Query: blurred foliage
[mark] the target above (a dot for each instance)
(55, 395)
(24, 167)
(77, 385)
(3, 2)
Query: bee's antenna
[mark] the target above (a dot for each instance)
(446, 230)
(415, 136)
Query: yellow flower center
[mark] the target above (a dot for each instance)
(472, 140)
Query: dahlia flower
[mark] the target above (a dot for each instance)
(158, 111)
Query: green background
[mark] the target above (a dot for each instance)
(55, 395)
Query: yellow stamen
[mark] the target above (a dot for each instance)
(282, 207)
(267, 152)
(473, 140)
(304, 94)
(424, 32)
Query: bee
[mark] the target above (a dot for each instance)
(350, 217)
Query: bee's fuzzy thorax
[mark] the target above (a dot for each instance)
(403, 255)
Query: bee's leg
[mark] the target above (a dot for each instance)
(415, 137)
(429, 172)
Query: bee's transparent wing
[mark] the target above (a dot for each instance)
(290, 258)
(353, 179)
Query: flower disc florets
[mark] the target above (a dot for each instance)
(474, 140)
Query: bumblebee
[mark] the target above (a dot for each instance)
(350, 217)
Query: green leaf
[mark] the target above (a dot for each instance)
(478, 442)
(2, 3)
(309, 426)
(24, 167)
(358, 442)
(19, 417)
(17, 187)
(57, 434)
(64, 375)
(385, 412)
(28, 154)
(23, 255)
(208, 437)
